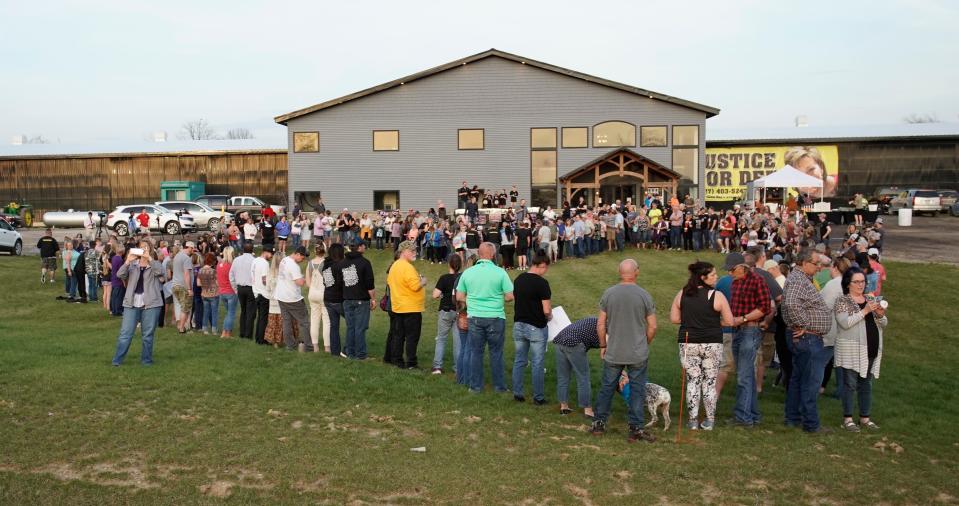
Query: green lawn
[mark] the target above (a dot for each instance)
(219, 419)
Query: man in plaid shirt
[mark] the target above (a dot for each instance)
(750, 304)
(807, 319)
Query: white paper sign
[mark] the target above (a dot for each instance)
(559, 322)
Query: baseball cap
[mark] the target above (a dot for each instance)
(769, 264)
(189, 244)
(873, 252)
(268, 249)
(407, 245)
(734, 259)
(879, 219)
(301, 250)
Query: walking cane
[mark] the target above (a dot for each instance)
(682, 395)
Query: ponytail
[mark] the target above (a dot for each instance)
(697, 271)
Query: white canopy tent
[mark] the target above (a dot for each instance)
(788, 177)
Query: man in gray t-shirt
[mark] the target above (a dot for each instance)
(626, 327)
(182, 281)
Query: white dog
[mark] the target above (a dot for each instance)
(657, 401)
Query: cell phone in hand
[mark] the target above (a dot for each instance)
(136, 251)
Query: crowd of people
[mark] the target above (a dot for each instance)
(796, 294)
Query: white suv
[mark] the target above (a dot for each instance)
(10, 239)
(203, 215)
(161, 219)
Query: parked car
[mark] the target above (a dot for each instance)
(883, 197)
(947, 198)
(920, 201)
(161, 219)
(10, 239)
(203, 215)
(237, 204)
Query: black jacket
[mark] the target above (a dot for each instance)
(357, 276)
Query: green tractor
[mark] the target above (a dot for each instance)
(19, 215)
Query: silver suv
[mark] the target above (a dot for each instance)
(920, 201)
(203, 215)
(161, 219)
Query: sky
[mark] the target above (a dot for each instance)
(86, 72)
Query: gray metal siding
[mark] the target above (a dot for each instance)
(503, 97)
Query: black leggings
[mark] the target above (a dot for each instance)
(782, 350)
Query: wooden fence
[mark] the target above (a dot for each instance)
(102, 182)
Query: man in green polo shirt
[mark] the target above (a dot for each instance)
(484, 289)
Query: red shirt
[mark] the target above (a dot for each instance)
(268, 212)
(144, 219)
(748, 294)
(223, 278)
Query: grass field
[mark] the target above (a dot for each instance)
(216, 421)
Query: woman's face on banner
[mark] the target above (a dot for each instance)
(808, 165)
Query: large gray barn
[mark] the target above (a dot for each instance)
(494, 119)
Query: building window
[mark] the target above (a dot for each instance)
(386, 140)
(575, 137)
(386, 200)
(686, 135)
(542, 166)
(652, 137)
(471, 138)
(542, 138)
(686, 162)
(306, 142)
(614, 134)
(543, 169)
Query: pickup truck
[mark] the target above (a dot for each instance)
(238, 204)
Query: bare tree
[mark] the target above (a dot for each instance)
(198, 130)
(239, 133)
(921, 118)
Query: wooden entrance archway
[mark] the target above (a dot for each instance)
(616, 165)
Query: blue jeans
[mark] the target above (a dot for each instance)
(446, 324)
(334, 310)
(853, 383)
(697, 240)
(637, 383)
(620, 240)
(211, 313)
(746, 342)
(530, 349)
(357, 314)
(70, 286)
(92, 287)
(675, 237)
(463, 358)
(147, 318)
(230, 301)
(483, 332)
(803, 394)
(573, 358)
(579, 247)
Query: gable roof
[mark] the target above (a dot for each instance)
(652, 163)
(710, 111)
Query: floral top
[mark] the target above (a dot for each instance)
(207, 281)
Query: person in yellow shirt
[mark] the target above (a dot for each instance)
(654, 214)
(407, 303)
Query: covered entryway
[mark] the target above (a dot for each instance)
(621, 174)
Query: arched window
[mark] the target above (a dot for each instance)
(614, 134)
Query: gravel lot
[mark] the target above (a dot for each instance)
(929, 239)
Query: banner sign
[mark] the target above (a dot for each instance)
(729, 169)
